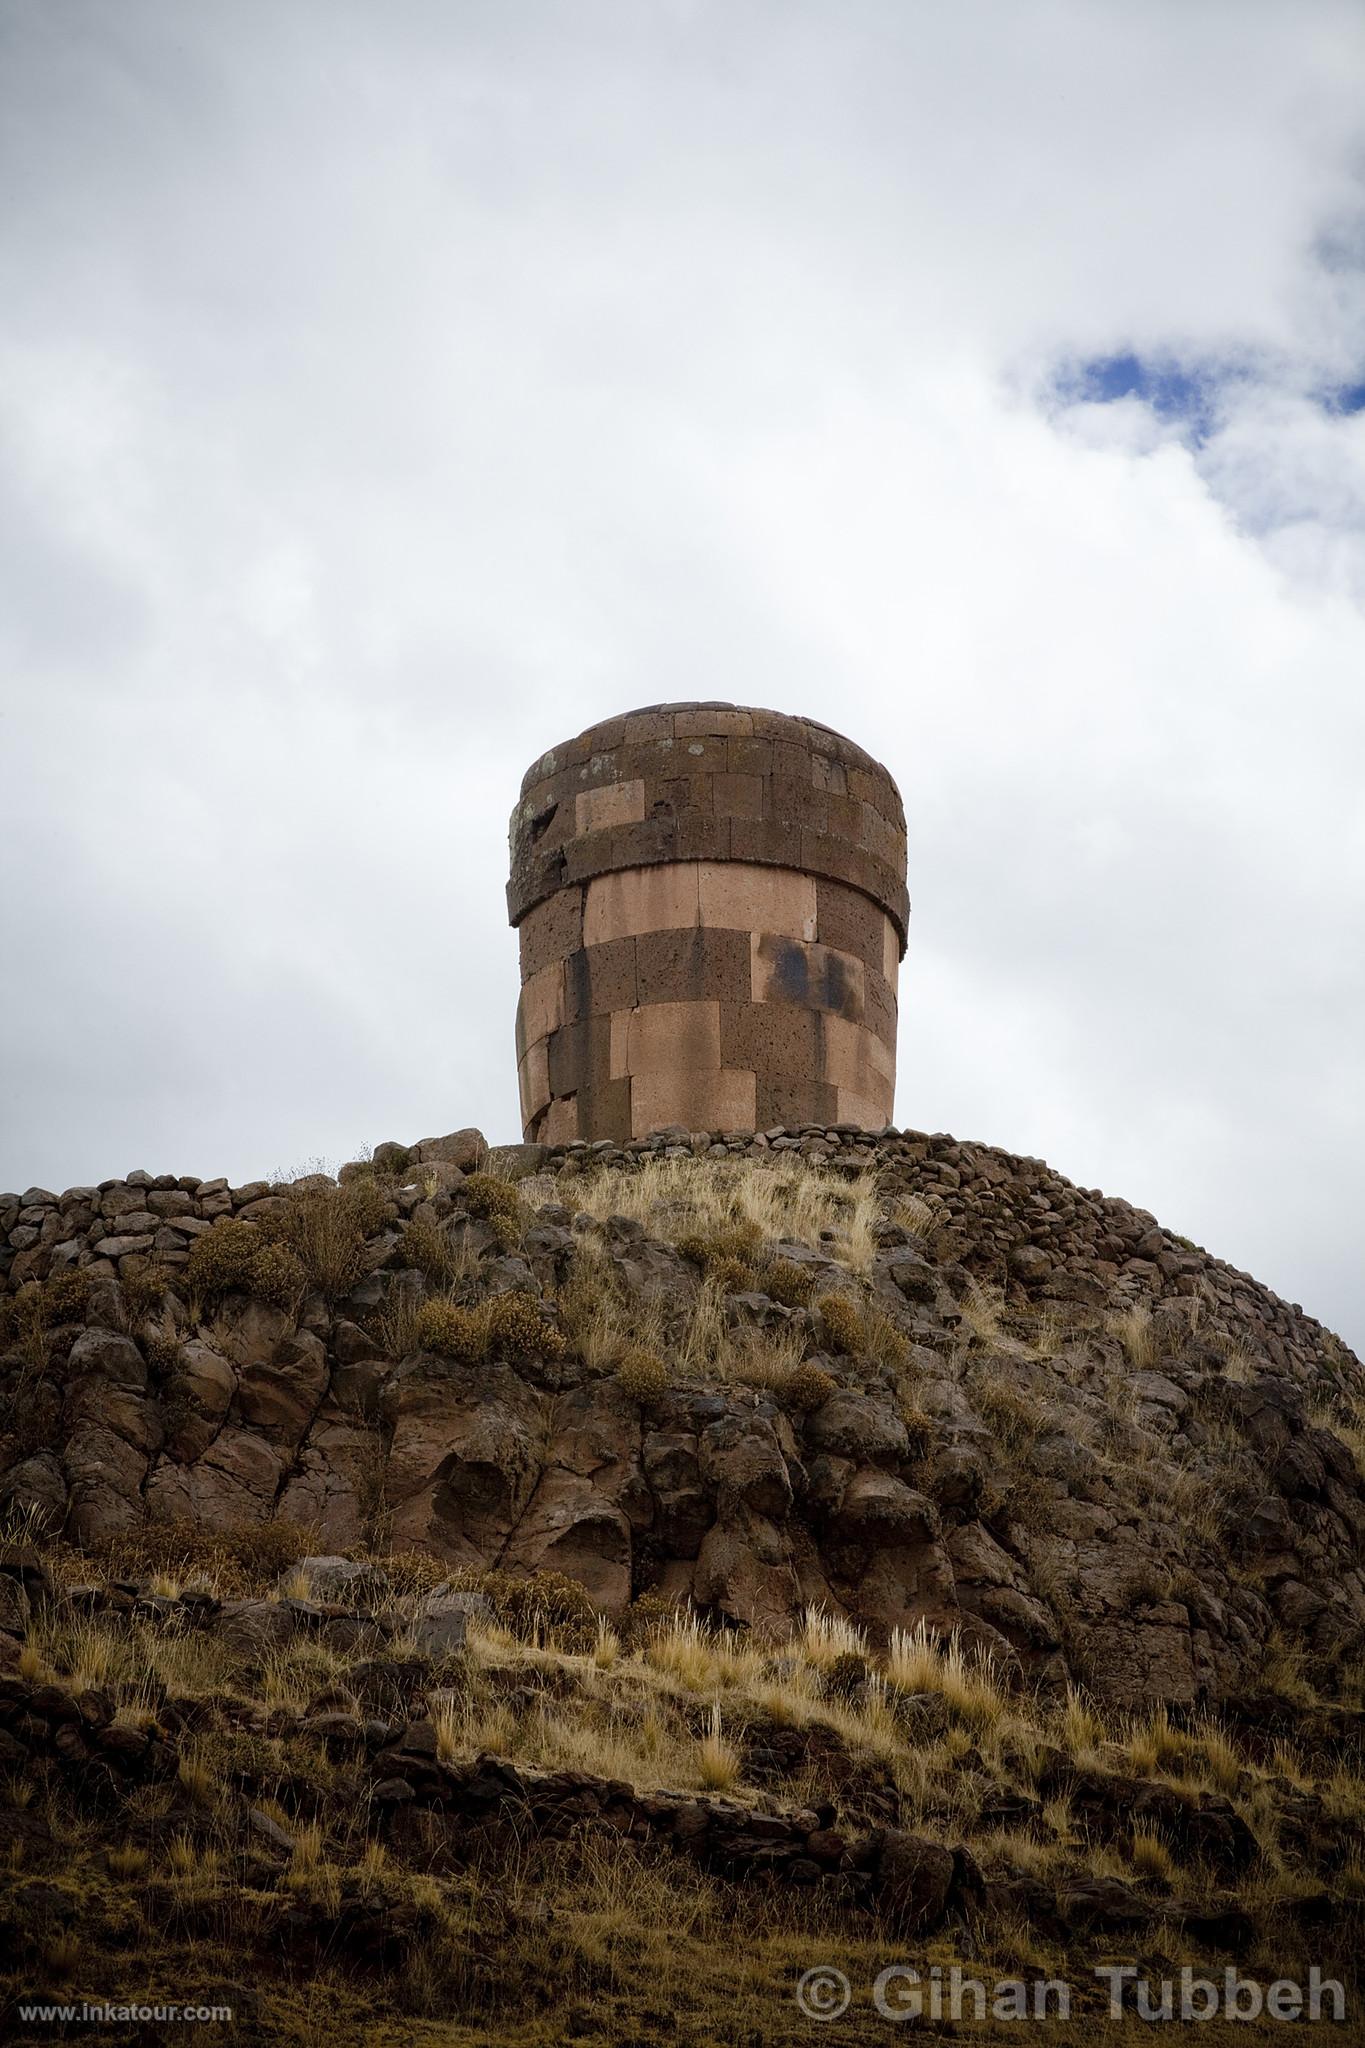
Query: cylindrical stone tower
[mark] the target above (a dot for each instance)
(712, 910)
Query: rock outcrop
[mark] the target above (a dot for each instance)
(1077, 1442)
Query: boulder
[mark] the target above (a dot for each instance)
(863, 1427)
(467, 1149)
(878, 1509)
(342, 1582)
(914, 1882)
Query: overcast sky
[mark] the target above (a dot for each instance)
(390, 389)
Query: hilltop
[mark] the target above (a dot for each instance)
(445, 1576)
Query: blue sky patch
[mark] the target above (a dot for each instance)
(1183, 394)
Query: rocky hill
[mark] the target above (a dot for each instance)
(901, 1536)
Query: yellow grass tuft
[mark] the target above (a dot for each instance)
(917, 1661)
(717, 1761)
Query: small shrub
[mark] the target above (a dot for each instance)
(732, 1276)
(426, 1246)
(237, 1258)
(144, 1292)
(222, 1261)
(786, 1282)
(809, 1387)
(161, 1349)
(919, 1427)
(518, 1332)
(732, 1245)
(497, 1203)
(64, 1298)
(238, 1558)
(842, 1322)
(277, 1277)
(642, 1375)
(847, 1676)
(544, 1604)
(453, 1332)
(644, 1618)
(329, 1230)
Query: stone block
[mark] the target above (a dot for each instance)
(561, 1122)
(655, 899)
(892, 950)
(551, 931)
(739, 897)
(614, 803)
(829, 774)
(645, 726)
(774, 842)
(681, 1038)
(541, 1007)
(706, 721)
(533, 1080)
(738, 796)
(879, 1008)
(781, 1099)
(692, 965)
(849, 921)
(600, 979)
(715, 1100)
(784, 970)
(772, 1038)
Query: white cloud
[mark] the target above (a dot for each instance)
(385, 394)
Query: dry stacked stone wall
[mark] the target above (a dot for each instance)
(712, 910)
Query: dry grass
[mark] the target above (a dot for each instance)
(780, 1199)
(717, 1761)
(826, 1637)
(1134, 1330)
(918, 1661)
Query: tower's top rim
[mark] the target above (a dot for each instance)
(708, 782)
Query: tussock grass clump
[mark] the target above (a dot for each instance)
(884, 1343)
(918, 1424)
(701, 1658)
(1133, 1328)
(1151, 1857)
(917, 1661)
(717, 1760)
(1009, 1408)
(826, 1638)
